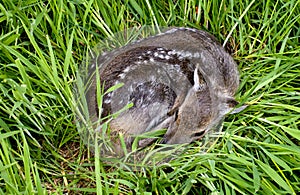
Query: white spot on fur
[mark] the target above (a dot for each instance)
(197, 55)
(170, 31)
(172, 52)
(122, 76)
(107, 101)
(191, 29)
(109, 94)
(127, 69)
(167, 57)
(188, 54)
(130, 89)
(161, 56)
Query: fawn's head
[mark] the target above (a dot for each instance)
(202, 109)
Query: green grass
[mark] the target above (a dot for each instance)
(44, 43)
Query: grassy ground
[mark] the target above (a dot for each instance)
(42, 45)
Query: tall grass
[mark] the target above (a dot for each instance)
(44, 43)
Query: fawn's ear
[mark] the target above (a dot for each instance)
(198, 80)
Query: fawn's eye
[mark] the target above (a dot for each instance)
(176, 115)
(198, 134)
